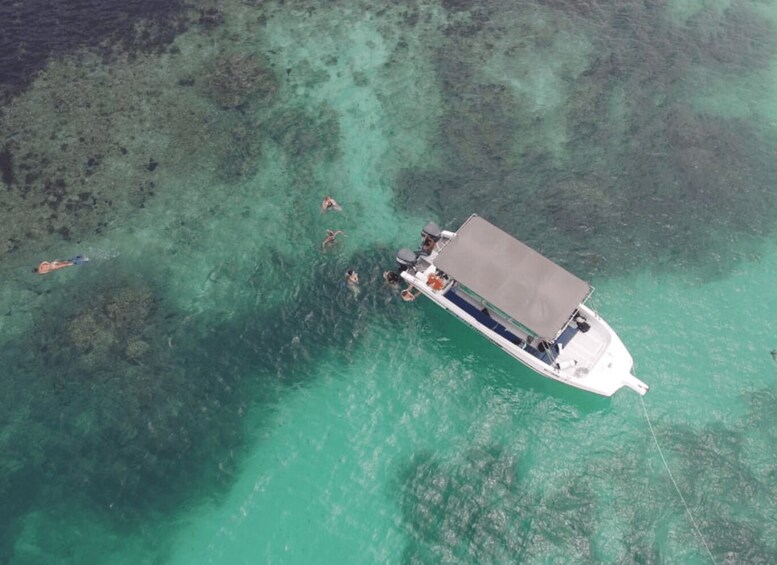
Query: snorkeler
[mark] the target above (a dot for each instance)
(391, 277)
(351, 278)
(47, 266)
(330, 203)
(330, 238)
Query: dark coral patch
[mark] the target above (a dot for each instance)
(35, 30)
(6, 166)
(116, 394)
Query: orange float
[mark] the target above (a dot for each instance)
(435, 283)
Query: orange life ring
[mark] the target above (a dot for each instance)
(435, 282)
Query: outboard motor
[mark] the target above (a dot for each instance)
(406, 258)
(432, 231)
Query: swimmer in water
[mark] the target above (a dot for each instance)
(48, 266)
(352, 282)
(330, 238)
(330, 203)
(391, 277)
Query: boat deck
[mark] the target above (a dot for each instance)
(587, 348)
(502, 327)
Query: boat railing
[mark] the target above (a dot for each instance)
(506, 319)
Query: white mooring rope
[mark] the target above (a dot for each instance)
(688, 510)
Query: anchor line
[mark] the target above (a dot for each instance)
(682, 498)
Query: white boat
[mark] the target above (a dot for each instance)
(523, 302)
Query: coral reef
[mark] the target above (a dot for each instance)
(238, 157)
(476, 508)
(113, 412)
(234, 80)
(112, 329)
(632, 154)
(120, 134)
(121, 403)
(312, 137)
(37, 30)
(717, 474)
(124, 405)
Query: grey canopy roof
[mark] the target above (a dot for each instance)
(513, 277)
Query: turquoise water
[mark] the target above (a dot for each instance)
(207, 390)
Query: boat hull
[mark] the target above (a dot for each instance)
(595, 360)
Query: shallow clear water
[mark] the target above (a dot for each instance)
(207, 390)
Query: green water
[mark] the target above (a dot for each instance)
(327, 476)
(207, 390)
